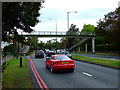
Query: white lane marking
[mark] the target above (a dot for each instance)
(86, 74)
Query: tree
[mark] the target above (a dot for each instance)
(19, 15)
(109, 28)
(63, 42)
(32, 41)
(41, 45)
(72, 31)
(88, 29)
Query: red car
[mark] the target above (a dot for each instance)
(60, 63)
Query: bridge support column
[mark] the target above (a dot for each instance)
(93, 45)
(79, 49)
(86, 47)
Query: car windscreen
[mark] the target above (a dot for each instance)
(62, 58)
(39, 51)
(51, 52)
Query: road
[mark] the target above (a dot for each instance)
(99, 56)
(85, 76)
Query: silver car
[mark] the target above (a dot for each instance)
(67, 53)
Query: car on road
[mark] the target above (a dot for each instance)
(50, 53)
(67, 53)
(58, 51)
(60, 63)
(39, 53)
(46, 51)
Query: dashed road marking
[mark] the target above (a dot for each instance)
(86, 74)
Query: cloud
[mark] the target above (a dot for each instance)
(88, 12)
(81, 4)
(49, 17)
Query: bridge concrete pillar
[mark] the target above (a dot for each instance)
(79, 49)
(86, 47)
(93, 45)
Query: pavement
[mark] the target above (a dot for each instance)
(99, 56)
(86, 75)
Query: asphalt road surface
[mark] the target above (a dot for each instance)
(85, 76)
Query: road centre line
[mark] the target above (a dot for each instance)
(86, 74)
(36, 76)
(39, 76)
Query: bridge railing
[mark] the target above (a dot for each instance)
(54, 33)
(43, 33)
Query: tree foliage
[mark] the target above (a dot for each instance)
(109, 28)
(41, 45)
(88, 28)
(63, 42)
(72, 31)
(32, 41)
(19, 15)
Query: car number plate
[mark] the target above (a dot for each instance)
(65, 62)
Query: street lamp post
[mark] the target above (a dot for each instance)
(56, 32)
(56, 35)
(68, 18)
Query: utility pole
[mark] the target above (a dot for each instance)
(118, 4)
(56, 31)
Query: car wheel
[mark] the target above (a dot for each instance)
(51, 69)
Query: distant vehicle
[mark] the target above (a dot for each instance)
(46, 50)
(39, 53)
(67, 53)
(60, 63)
(58, 51)
(50, 53)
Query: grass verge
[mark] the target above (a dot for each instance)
(110, 63)
(96, 53)
(31, 53)
(15, 76)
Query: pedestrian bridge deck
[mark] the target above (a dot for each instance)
(56, 34)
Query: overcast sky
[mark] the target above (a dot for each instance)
(88, 12)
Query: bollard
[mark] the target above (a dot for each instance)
(20, 61)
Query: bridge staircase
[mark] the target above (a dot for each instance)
(83, 41)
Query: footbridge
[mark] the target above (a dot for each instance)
(55, 34)
(83, 41)
(85, 35)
